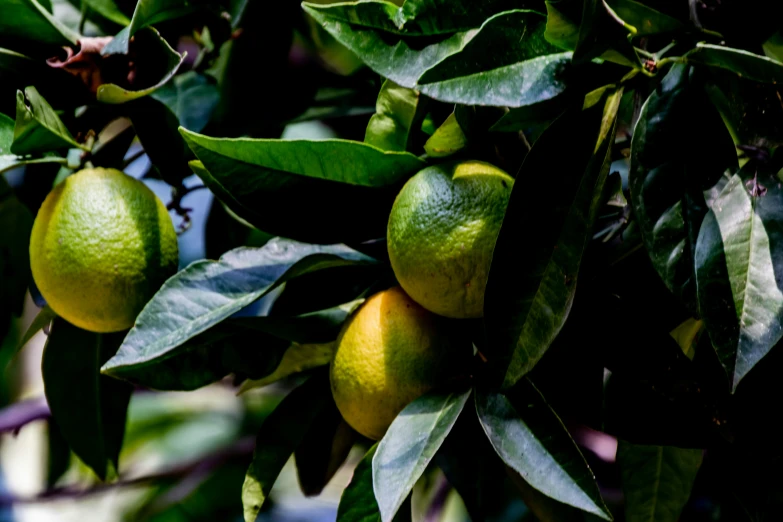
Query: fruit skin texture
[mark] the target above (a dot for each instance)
(102, 244)
(442, 231)
(390, 352)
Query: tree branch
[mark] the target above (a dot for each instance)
(16, 416)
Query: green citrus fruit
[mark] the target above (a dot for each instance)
(442, 231)
(389, 352)
(102, 244)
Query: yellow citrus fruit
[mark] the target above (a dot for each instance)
(442, 231)
(390, 352)
(102, 244)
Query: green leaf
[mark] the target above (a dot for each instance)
(447, 139)
(147, 13)
(41, 321)
(357, 503)
(602, 30)
(109, 10)
(410, 444)
(510, 53)
(192, 99)
(207, 292)
(738, 267)
(743, 63)
(320, 186)
(157, 128)
(29, 20)
(667, 181)
(657, 480)
(398, 115)
(528, 297)
(16, 222)
(440, 16)
(297, 358)
(561, 30)
(644, 19)
(17, 64)
(279, 436)
(89, 408)
(537, 114)
(38, 128)
(539, 448)
(150, 44)
(399, 56)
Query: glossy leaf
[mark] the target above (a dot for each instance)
(357, 503)
(151, 45)
(410, 444)
(528, 297)
(738, 267)
(398, 115)
(29, 20)
(510, 53)
(89, 408)
(447, 139)
(320, 186)
(539, 448)
(38, 128)
(657, 480)
(377, 40)
(279, 436)
(207, 292)
(743, 63)
(667, 181)
(192, 99)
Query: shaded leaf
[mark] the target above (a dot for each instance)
(42, 320)
(16, 222)
(447, 139)
(357, 503)
(738, 272)
(602, 30)
(192, 99)
(376, 39)
(410, 444)
(207, 292)
(109, 10)
(743, 63)
(539, 448)
(282, 432)
(147, 13)
(398, 115)
(440, 16)
(38, 128)
(657, 480)
(89, 408)
(668, 181)
(167, 61)
(643, 19)
(297, 358)
(528, 297)
(17, 64)
(30, 20)
(320, 186)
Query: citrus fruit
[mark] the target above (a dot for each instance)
(442, 231)
(390, 352)
(102, 244)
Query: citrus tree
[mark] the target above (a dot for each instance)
(537, 254)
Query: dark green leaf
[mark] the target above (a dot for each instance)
(657, 480)
(41, 321)
(440, 16)
(743, 63)
(410, 444)
(59, 454)
(600, 31)
(16, 64)
(192, 99)
(297, 358)
(207, 292)
(89, 408)
(528, 297)
(357, 503)
(376, 39)
(109, 10)
(147, 13)
(157, 128)
(738, 271)
(150, 45)
(447, 139)
(398, 115)
(562, 24)
(29, 20)
(537, 114)
(539, 448)
(320, 186)
(16, 222)
(643, 19)
(280, 435)
(668, 181)
(38, 128)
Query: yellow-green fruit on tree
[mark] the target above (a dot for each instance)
(442, 232)
(390, 352)
(102, 244)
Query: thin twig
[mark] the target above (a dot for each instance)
(177, 195)
(242, 448)
(17, 416)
